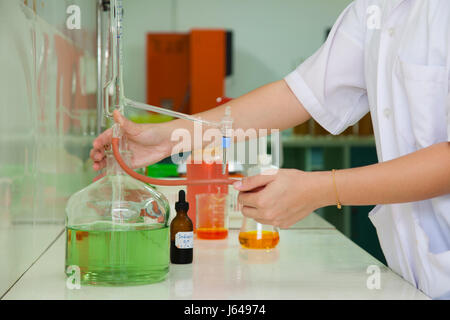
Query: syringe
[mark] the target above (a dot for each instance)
(227, 133)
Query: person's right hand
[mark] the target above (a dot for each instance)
(149, 143)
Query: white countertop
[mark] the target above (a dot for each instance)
(21, 244)
(309, 263)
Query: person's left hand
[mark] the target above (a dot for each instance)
(283, 197)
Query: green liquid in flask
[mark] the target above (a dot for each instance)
(118, 254)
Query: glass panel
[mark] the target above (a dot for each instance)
(48, 119)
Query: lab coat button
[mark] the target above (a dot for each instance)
(391, 32)
(387, 112)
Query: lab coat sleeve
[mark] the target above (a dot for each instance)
(331, 83)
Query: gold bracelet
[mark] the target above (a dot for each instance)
(338, 203)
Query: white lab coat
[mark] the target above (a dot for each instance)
(391, 57)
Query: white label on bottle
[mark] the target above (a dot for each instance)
(184, 240)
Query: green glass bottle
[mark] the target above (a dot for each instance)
(117, 231)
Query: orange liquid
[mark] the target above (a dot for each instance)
(259, 240)
(212, 233)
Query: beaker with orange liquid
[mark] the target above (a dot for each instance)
(212, 216)
(254, 235)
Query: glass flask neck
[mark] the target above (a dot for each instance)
(182, 213)
(112, 166)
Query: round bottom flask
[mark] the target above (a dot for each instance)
(117, 231)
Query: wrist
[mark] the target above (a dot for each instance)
(324, 188)
(169, 128)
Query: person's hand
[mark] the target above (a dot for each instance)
(283, 197)
(149, 143)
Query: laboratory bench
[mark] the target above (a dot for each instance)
(312, 261)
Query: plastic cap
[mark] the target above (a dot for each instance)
(182, 205)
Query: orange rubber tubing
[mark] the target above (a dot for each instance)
(161, 182)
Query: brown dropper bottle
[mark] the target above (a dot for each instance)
(181, 233)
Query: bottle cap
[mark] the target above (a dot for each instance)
(182, 205)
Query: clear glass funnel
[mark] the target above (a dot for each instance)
(117, 230)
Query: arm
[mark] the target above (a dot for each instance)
(420, 175)
(272, 106)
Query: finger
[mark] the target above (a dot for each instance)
(287, 223)
(130, 128)
(255, 214)
(97, 155)
(264, 221)
(250, 183)
(103, 140)
(97, 166)
(92, 153)
(249, 212)
(250, 199)
(284, 225)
